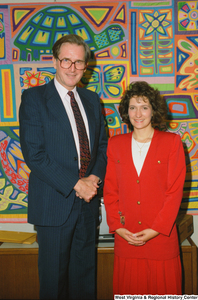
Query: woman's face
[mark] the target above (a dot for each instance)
(140, 112)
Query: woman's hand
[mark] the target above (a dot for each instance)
(138, 238)
(146, 235)
(129, 237)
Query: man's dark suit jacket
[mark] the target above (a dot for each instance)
(49, 151)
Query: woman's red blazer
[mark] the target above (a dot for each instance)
(150, 200)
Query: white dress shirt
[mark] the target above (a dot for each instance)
(66, 102)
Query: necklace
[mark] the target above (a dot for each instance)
(140, 151)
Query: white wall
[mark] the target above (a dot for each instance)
(30, 228)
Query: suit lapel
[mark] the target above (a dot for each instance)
(56, 107)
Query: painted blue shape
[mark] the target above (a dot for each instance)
(181, 57)
(133, 44)
(193, 39)
(35, 40)
(37, 19)
(57, 10)
(179, 108)
(46, 20)
(179, 78)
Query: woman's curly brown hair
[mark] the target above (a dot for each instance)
(143, 89)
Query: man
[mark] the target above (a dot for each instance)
(63, 183)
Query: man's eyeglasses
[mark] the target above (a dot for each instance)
(67, 63)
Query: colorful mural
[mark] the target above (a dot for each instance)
(151, 40)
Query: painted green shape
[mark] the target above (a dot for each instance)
(147, 3)
(98, 14)
(186, 45)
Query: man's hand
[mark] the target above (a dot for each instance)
(86, 188)
(94, 179)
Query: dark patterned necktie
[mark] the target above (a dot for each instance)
(82, 134)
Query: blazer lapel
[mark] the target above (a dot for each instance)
(126, 150)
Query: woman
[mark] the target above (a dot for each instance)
(142, 194)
